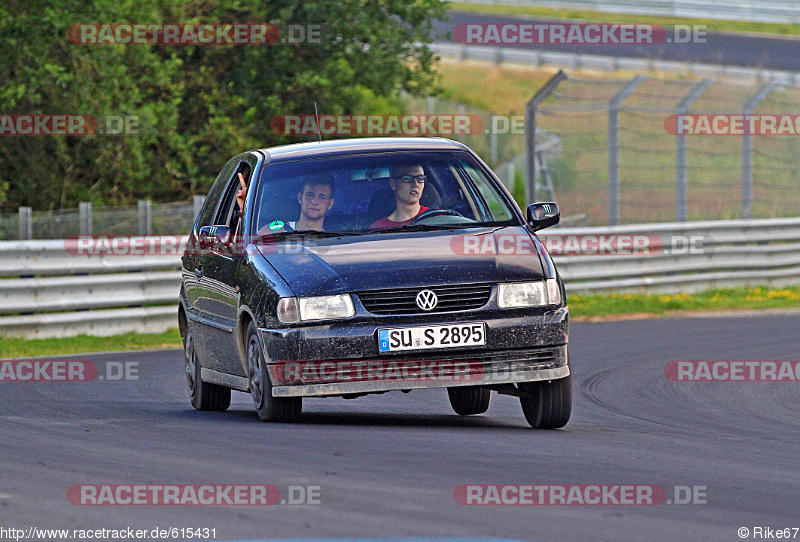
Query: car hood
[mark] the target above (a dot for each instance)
(413, 259)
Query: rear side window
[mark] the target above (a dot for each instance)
(229, 208)
(212, 198)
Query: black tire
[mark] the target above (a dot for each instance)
(204, 396)
(548, 404)
(269, 408)
(469, 400)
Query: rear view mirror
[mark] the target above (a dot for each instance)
(543, 215)
(213, 237)
(370, 174)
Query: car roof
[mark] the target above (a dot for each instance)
(315, 149)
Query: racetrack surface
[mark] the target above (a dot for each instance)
(726, 49)
(388, 464)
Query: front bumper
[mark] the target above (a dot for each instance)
(342, 358)
(372, 376)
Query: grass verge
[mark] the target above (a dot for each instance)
(503, 90)
(18, 348)
(582, 307)
(589, 307)
(713, 25)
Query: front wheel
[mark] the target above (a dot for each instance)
(204, 396)
(469, 400)
(547, 405)
(269, 408)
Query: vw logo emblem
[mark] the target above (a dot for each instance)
(427, 300)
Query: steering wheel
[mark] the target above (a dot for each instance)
(434, 212)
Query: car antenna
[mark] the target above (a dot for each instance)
(316, 115)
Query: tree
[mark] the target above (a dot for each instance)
(196, 105)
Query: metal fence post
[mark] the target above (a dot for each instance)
(680, 158)
(197, 203)
(511, 178)
(145, 217)
(431, 105)
(25, 223)
(493, 139)
(747, 151)
(85, 214)
(613, 146)
(530, 132)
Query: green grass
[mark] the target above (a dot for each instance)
(18, 348)
(713, 25)
(599, 306)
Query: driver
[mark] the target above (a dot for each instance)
(407, 182)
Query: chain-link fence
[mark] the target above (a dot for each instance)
(659, 150)
(145, 218)
(500, 142)
(122, 220)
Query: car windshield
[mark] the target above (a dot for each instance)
(379, 192)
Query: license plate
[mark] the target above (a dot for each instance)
(425, 337)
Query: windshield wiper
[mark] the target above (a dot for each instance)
(420, 227)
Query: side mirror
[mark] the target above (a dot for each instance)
(213, 237)
(543, 215)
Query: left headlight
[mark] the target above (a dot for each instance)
(529, 294)
(308, 309)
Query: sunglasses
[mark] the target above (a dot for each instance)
(408, 179)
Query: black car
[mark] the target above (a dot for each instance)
(372, 265)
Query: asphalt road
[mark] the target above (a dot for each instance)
(727, 49)
(388, 464)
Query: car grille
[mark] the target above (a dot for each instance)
(520, 359)
(404, 300)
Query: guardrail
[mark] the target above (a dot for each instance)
(48, 291)
(680, 257)
(531, 57)
(765, 11)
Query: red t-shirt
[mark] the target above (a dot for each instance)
(386, 223)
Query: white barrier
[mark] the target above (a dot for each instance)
(47, 292)
(530, 57)
(766, 11)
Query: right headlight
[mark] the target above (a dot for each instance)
(529, 294)
(308, 309)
